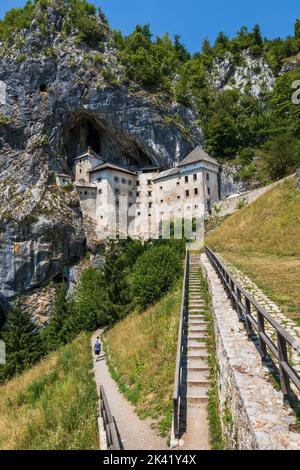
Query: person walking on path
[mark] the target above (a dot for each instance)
(97, 349)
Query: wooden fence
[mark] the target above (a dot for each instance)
(179, 357)
(256, 319)
(112, 437)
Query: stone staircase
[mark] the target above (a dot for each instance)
(197, 433)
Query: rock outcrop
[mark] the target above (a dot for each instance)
(251, 74)
(57, 98)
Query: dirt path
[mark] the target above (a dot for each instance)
(135, 433)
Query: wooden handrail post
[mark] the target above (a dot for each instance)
(285, 383)
(239, 301)
(248, 322)
(261, 329)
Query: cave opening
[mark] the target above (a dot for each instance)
(84, 131)
(92, 138)
(43, 88)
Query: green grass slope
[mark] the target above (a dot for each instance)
(263, 240)
(52, 406)
(142, 352)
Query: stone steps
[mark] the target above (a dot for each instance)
(197, 394)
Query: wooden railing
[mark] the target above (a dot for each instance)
(179, 362)
(112, 437)
(255, 318)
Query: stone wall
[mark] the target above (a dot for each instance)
(252, 411)
(234, 203)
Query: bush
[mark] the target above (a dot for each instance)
(154, 274)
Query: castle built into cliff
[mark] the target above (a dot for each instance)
(120, 201)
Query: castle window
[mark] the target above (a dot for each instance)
(196, 207)
(137, 183)
(137, 194)
(138, 213)
(149, 182)
(80, 171)
(130, 193)
(100, 191)
(124, 181)
(117, 179)
(129, 182)
(99, 180)
(178, 197)
(150, 205)
(195, 177)
(196, 191)
(117, 191)
(187, 193)
(161, 188)
(178, 183)
(208, 191)
(149, 193)
(186, 179)
(207, 176)
(85, 192)
(161, 201)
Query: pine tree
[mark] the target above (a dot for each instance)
(256, 35)
(23, 344)
(62, 325)
(297, 29)
(206, 47)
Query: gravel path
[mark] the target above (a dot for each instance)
(135, 433)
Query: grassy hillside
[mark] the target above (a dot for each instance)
(54, 404)
(263, 240)
(142, 358)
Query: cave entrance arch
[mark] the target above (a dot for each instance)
(81, 133)
(83, 130)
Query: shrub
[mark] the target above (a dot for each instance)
(154, 274)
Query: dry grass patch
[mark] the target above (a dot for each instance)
(278, 277)
(54, 404)
(270, 225)
(142, 352)
(263, 240)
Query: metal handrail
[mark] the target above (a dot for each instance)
(112, 437)
(246, 305)
(178, 368)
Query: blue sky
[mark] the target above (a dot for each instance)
(196, 19)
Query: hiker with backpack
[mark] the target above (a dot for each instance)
(97, 348)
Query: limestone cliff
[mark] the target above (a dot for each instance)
(60, 95)
(252, 74)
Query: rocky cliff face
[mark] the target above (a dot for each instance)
(58, 97)
(251, 73)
